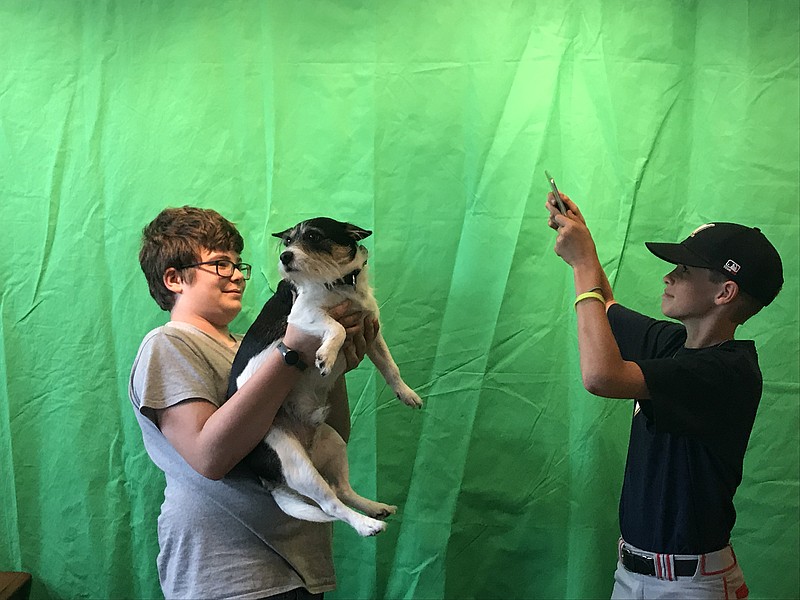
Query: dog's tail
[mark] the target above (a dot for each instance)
(295, 506)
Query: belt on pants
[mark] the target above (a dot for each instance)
(663, 566)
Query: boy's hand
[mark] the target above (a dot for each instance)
(552, 207)
(361, 331)
(574, 241)
(355, 346)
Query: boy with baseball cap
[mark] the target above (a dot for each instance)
(726, 248)
(697, 390)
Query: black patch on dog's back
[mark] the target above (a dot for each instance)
(265, 462)
(269, 326)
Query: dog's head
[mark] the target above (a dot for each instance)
(321, 250)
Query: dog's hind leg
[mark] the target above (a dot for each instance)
(302, 477)
(299, 507)
(380, 356)
(329, 454)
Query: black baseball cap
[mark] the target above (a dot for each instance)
(743, 254)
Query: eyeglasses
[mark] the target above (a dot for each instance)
(225, 268)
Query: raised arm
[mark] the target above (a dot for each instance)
(603, 370)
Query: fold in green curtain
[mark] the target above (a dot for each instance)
(430, 123)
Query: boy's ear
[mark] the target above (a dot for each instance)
(357, 233)
(728, 293)
(281, 234)
(173, 280)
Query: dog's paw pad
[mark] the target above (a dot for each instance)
(379, 510)
(386, 511)
(322, 365)
(410, 398)
(325, 364)
(371, 527)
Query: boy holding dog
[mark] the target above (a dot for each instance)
(220, 533)
(697, 390)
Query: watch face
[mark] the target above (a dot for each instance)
(291, 357)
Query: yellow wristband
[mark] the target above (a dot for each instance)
(586, 295)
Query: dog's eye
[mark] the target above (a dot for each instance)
(287, 240)
(312, 236)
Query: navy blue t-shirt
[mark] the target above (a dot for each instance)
(688, 440)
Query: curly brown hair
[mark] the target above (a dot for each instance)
(177, 236)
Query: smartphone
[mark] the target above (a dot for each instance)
(561, 207)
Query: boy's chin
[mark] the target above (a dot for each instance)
(666, 309)
(233, 308)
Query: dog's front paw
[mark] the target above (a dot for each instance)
(325, 362)
(379, 510)
(408, 397)
(323, 368)
(369, 527)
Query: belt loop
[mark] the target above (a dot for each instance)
(666, 567)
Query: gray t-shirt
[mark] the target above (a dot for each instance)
(226, 538)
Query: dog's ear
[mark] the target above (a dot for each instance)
(357, 233)
(282, 234)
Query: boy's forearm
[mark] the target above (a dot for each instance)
(603, 370)
(242, 422)
(589, 275)
(608, 292)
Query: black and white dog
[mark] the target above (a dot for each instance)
(303, 460)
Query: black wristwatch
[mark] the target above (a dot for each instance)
(291, 357)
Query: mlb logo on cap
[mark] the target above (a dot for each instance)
(732, 266)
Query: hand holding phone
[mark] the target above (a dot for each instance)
(559, 202)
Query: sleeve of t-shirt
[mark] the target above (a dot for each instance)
(639, 336)
(170, 370)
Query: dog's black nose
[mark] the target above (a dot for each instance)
(287, 257)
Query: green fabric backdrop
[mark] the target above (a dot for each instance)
(430, 123)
